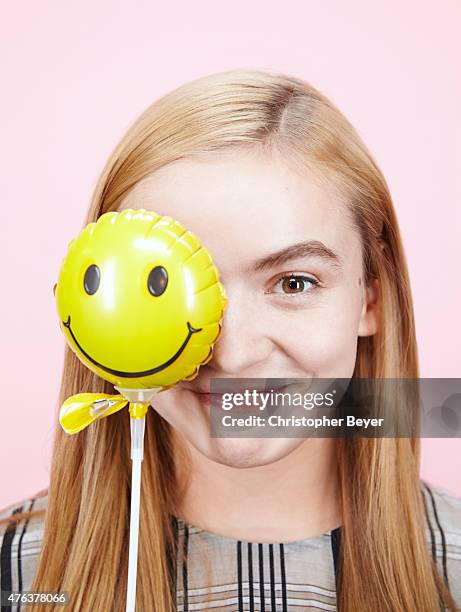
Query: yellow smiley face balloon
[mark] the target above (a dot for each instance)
(139, 300)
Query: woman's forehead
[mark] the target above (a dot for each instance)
(243, 206)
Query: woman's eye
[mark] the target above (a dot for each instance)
(294, 284)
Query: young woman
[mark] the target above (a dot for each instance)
(298, 217)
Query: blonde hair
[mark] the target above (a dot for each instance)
(384, 560)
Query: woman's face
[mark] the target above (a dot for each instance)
(263, 224)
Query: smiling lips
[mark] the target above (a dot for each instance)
(191, 330)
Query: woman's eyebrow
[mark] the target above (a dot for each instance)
(310, 248)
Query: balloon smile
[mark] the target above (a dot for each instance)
(191, 330)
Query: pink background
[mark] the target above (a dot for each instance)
(74, 75)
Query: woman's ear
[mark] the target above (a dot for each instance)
(368, 324)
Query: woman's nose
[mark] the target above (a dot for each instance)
(244, 342)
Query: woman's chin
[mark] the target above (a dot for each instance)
(250, 452)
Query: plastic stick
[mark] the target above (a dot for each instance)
(137, 451)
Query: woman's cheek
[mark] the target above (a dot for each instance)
(324, 340)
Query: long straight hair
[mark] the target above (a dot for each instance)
(384, 561)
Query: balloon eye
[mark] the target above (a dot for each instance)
(92, 279)
(157, 280)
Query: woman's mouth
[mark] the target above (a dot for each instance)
(252, 401)
(207, 398)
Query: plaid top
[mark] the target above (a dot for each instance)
(221, 573)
